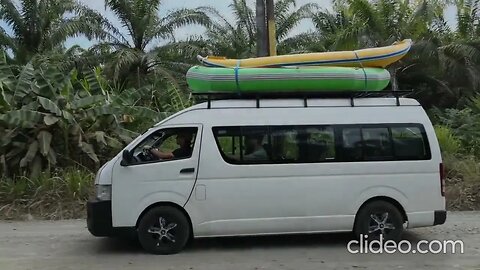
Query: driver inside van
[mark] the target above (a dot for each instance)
(184, 141)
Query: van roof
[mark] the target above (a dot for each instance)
(297, 103)
(310, 102)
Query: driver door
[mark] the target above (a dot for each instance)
(139, 185)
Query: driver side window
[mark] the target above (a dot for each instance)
(169, 144)
(166, 144)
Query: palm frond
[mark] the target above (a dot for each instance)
(212, 12)
(10, 14)
(166, 76)
(98, 26)
(283, 6)
(288, 20)
(302, 43)
(325, 22)
(124, 59)
(123, 10)
(6, 41)
(462, 52)
(244, 17)
(367, 21)
(185, 16)
(186, 50)
(72, 27)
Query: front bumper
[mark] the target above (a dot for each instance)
(99, 221)
(440, 217)
(99, 217)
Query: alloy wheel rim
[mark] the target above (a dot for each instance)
(162, 231)
(380, 224)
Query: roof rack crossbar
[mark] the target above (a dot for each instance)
(209, 97)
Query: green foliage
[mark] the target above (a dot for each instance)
(463, 182)
(57, 118)
(59, 195)
(449, 143)
(467, 168)
(463, 125)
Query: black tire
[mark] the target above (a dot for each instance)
(364, 222)
(157, 239)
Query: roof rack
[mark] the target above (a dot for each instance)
(304, 95)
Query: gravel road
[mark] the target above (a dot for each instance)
(68, 245)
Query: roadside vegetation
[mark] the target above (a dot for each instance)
(64, 111)
(458, 132)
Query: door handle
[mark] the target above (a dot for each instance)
(187, 170)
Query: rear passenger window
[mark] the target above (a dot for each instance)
(410, 143)
(255, 145)
(229, 141)
(352, 144)
(302, 144)
(315, 144)
(377, 144)
(243, 145)
(276, 144)
(382, 143)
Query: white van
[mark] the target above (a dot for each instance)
(274, 166)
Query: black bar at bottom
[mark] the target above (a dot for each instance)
(439, 217)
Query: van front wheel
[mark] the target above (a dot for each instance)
(163, 230)
(379, 219)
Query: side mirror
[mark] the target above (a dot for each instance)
(127, 158)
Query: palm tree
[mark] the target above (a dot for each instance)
(134, 51)
(287, 17)
(238, 39)
(434, 58)
(461, 57)
(363, 23)
(39, 26)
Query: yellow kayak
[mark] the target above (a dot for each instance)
(372, 57)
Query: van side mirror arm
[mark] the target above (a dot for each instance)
(127, 158)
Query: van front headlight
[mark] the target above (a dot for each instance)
(103, 192)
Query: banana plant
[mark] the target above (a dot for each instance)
(55, 118)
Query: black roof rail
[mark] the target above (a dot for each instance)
(352, 95)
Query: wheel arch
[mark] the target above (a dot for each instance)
(385, 199)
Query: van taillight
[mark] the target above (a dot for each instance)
(442, 179)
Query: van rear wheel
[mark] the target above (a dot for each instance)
(379, 218)
(163, 230)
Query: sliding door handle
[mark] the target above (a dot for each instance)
(187, 170)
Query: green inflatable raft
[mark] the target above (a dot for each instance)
(204, 80)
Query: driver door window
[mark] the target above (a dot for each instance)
(166, 144)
